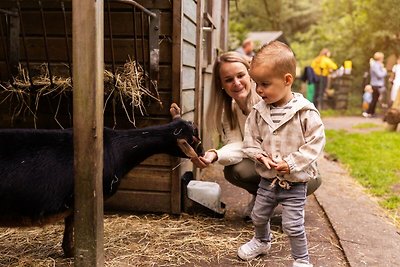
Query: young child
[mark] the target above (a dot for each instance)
(284, 135)
(367, 98)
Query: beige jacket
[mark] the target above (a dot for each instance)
(298, 139)
(232, 151)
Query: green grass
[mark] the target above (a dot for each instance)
(366, 125)
(372, 159)
(337, 113)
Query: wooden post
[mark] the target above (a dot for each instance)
(88, 98)
(199, 94)
(176, 94)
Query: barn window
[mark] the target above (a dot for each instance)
(208, 34)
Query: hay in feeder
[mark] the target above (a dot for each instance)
(126, 85)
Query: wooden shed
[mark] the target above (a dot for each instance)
(172, 43)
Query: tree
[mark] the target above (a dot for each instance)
(351, 29)
(289, 16)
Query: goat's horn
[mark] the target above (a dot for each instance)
(175, 111)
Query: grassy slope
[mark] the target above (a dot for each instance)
(373, 159)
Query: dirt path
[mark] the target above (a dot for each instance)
(324, 247)
(353, 123)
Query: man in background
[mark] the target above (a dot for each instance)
(247, 49)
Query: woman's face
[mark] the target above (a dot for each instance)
(235, 80)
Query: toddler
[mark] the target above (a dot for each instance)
(284, 135)
(367, 98)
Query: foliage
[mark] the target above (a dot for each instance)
(372, 159)
(351, 29)
(289, 16)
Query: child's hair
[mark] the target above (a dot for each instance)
(279, 55)
(368, 88)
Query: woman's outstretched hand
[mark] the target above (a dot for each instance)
(206, 160)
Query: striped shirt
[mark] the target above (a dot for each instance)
(277, 113)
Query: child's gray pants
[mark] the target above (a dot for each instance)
(293, 202)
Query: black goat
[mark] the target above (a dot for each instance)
(36, 168)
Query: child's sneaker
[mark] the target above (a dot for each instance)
(253, 248)
(301, 263)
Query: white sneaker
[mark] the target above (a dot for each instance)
(366, 115)
(301, 263)
(253, 248)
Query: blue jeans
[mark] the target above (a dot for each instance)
(293, 201)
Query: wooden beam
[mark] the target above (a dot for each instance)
(176, 94)
(199, 93)
(88, 98)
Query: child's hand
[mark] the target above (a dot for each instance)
(267, 161)
(282, 167)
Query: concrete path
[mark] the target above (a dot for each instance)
(366, 234)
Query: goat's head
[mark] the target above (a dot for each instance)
(187, 134)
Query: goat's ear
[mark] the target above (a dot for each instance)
(175, 111)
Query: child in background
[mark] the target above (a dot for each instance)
(367, 98)
(284, 135)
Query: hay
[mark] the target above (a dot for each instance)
(127, 84)
(146, 240)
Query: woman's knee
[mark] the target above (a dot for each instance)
(243, 175)
(313, 185)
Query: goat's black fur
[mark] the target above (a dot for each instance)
(36, 166)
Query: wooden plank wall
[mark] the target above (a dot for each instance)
(219, 36)
(153, 179)
(189, 50)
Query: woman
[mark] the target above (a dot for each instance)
(232, 97)
(322, 66)
(377, 73)
(395, 79)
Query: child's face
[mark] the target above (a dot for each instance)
(274, 89)
(235, 80)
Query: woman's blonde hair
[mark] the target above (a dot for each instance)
(220, 102)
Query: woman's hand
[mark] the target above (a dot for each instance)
(204, 161)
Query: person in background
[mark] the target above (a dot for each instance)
(231, 99)
(284, 136)
(247, 49)
(367, 98)
(311, 80)
(395, 80)
(377, 75)
(322, 66)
